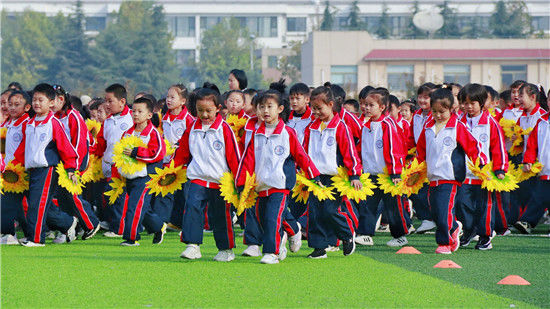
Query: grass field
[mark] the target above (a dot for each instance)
(100, 273)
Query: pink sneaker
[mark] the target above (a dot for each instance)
(455, 237)
(443, 249)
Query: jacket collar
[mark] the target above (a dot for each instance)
(316, 124)
(217, 122)
(251, 123)
(39, 122)
(450, 124)
(20, 120)
(180, 116)
(307, 114)
(145, 131)
(534, 111)
(278, 128)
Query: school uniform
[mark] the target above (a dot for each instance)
(444, 153)
(273, 156)
(110, 133)
(382, 148)
(329, 148)
(208, 152)
(538, 148)
(137, 199)
(11, 203)
(170, 207)
(477, 208)
(44, 145)
(77, 132)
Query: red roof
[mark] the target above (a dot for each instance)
(421, 54)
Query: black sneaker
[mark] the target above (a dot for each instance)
(348, 246)
(523, 227)
(89, 234)
(484, 243)
(129, 243)
(318, 254)
(466, 239)
(159, 236)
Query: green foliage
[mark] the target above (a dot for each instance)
(224, 47)
(290, 66)
(450, 29)
(510, 20)
(354, 23)
(328, 19)
(384, 31)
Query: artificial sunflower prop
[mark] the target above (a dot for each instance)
(517, 145)
(15, 179)
(523, 176)
(412, 151)
(249, 195)
(342, 184)
(414, 176)
(169, 148)
(385, 183)
(300, 192)
(167, 180)
(3, 132)
(66, 182)
(93, 126)
(321, 192)
(508, 127)
(490, 181)
(88, 175)
(124, 163)
(228, 190)
(117, 188)
(236, 124)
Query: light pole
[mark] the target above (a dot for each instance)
(252, 37)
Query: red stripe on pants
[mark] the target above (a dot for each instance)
(450, 218)
(229, 225)
(83, 214)
(279, 219)
(123, 217)
(137, 215)
(42, 205)
(488, 214)
(401, 209)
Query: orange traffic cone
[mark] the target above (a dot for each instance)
(447, 264)
(408, 250)
(514, 280)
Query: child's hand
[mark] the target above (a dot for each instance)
(396, 181)
(72, 177)
(500, 176)
(357, 184)
(320, 184)
(127, 151)
(527, 167)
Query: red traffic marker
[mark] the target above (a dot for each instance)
(514, 280)
(408, 250)
(447, 264)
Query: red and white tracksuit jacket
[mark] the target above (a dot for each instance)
(489, 134)
(538, 146)
(77, 132)
(110, 133)
(332, 147)
(299, 123)
(44, 144)
(381, 147)
(208, 152)
(440, 150)
(273, 158)
(173, 127)
(14, 136)
(154, 152)
(527, 121)
(251, 125)
(417, 124)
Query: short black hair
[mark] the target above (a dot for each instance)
(517, 84)
(474, 92)
(365, 91)
(530, 89)
(147, 101)
(506, 95)
(426, 87)
(45, 89)
(299, 88)
(322, 92)
(95, 103)
(382, 95)
(492, 92)
(22, 93)
(211, 86)
(203, 94)
(16, 86)
(240, 75)
(443, 96)
(279, 86)
(353, 102)
(118, 90)
(394, 100)
(251, 92)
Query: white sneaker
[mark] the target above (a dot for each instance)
(111, 234)
(282, 248)
(364, 240)
(192, 252)
(8, 239)
(383, 228)
(104, 225)
(31, 244)
(269, 258)
(426, 225)
(60, 239)
(225, 256)
(71, 232)
(475, 238)
(506, 233)
(332, 249)
(397, 242)
(295, 242)
(252, 250)
(50, 235)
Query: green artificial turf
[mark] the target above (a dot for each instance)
(100, 273)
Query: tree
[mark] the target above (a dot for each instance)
(224, 47)
(136, 50)
(450, 27)
(328, 19)
(354, 23)
(412, 32)
(383, 31)
(290, 66)
(510, 19)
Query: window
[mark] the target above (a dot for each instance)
(260, 26)
(208, 22)
(95, 23)
(181, 26)
(456, 74)
(400, 77)
(296, 24)
(345, 76)
(185, 57)
(511, 73)
(272, 62)
(399, 24)
(373, 22)
(541, 23)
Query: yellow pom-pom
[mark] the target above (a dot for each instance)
(414, 177)
(249, 195)
(15, 179)
(385, 183)
(66, 182)
(93, 126)
(342, 184)
(321, 192)
(228, 190)
(167, 180)
(126, 164)
(521, 175)
(117, 188)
